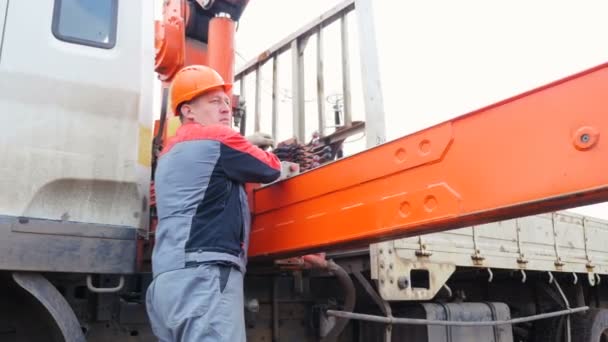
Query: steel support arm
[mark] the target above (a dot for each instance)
(539, 151)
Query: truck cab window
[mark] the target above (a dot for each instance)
(86, 22)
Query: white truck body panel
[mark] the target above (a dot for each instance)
(543, 243)
(76, 120)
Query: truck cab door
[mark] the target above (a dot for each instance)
(76, 94)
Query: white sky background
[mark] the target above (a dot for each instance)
(438, 58)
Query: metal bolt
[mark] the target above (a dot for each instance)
(585, 138)
(252, 305)
(390, 251)
(403, 283)
(380, 250)
(392, 281)
(390, 266)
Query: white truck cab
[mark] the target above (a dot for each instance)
(76, 82)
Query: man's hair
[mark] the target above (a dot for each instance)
(179, 112)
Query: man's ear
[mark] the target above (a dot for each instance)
(187, 112)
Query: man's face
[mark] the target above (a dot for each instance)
(211, 108)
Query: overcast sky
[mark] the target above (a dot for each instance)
(441, 59)
(438, 59)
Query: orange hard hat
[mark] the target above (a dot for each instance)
(192, 81)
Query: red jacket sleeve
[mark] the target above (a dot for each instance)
(247, 163)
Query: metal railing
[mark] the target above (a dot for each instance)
(296, 44)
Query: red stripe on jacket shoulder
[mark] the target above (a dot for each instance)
(237, 142)
(225, 135)
(196, 131)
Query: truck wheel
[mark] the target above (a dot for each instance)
(591, 326)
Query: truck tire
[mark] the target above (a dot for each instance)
(591, 326)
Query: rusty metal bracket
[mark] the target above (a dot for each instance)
(559, 263)
(590, 266)
(395, 274)
(521, 259)
(476, 257)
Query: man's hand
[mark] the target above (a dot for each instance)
(261, 140)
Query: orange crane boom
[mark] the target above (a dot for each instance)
(533, 153)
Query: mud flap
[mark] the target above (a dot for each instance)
(54, 302)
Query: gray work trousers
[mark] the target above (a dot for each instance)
(197, 304)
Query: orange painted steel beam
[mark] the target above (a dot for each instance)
(537, 152)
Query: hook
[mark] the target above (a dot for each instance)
(592, 278)
(447, 288)
(550, 277)
(523, 276)
(599, 279)
(575, 277)
(491, 275)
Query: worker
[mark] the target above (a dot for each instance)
(200, 254)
